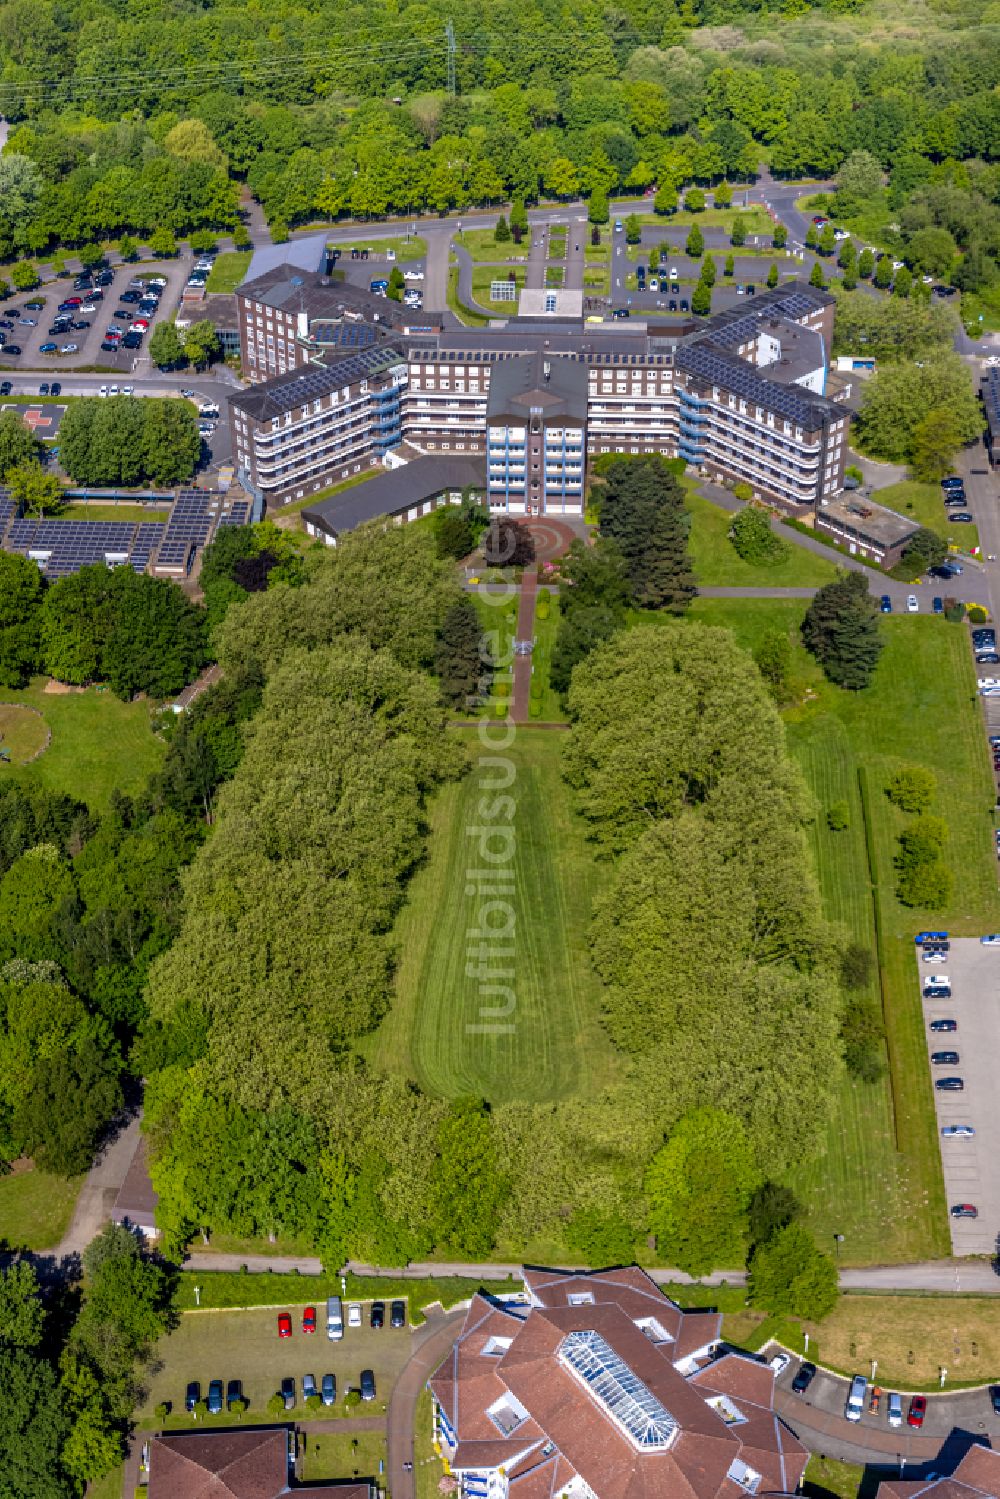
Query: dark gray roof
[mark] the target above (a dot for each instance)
(717, 366)
(802, 351)
(395, 491)
(738, 325)
(330, 298)
(558, 386)
(285, 392)
(305, 254)
(867, 519)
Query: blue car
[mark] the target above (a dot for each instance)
(938, 606)
(923, 937)
(46, 348)
(886, 604)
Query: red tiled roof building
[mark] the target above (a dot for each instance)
(597, 1386)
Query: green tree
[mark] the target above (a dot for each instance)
(18, 445)
(816, 277)
(788, 1274)
(163, 243)
(772, 1207)
(903, 283)
(754, 540)
(643, 510)
(397, 284)
(694, 200)
(698, 1188)
(694, 245)
(128, 247)
(21, 1313)
(701, 299)
(33, 1429)
(779, 236)
(827, 240)
(468, 1188)
(519, 219)
(577, 635)
(773, 656)
(883, 272)
(71, 1099)
(597, 209)
(898, 420)
(665, 201)
(201, 342)
(912, 789)
(924, 550)
(931, 251)
(709, 273)
(934, 441)
(502, 233)
(863, 1036)
(21, 587)
(23, 275)
(723, 195)
(866, 263)
(39, 492)
(841, 629)
(730, 266)
(738, 233)
(165, 346)
(171, 445)
(456, 530)
(812, 238)
(847, 254)
(772, 276)
(463, 673)
(633, 229)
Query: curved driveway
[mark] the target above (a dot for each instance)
(432, 1342)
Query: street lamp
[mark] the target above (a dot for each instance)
(839, 1239)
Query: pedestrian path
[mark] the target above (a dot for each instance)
(521, 695)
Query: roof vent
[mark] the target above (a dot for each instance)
(297, 281)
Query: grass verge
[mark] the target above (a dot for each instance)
(913, 1338)
(35, 1209)
(98, 743)
(413, 249)
(324, 494)
(112, 512)
(428, 1469)
(464, 314)
(233, 1290)
(882, 1188)
(342, 1455)
(717, 563)
(557, 1047)
(228, 271)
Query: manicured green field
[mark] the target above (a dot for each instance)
(228, 271)
(98, 743)
(551, 1044)
(879, 1181)
(482, 244)
(35, 1208)
(343, 1455)
(717, 563)
(412, 249)
(925, 503)
(112, 512)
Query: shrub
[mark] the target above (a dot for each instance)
(500, 709)
(535, 708)
(313, 1404)
(912, 789)
(162, 1411)
(753, 539)
(542, 610)
(501, 687)
(863, 1036)
(536, 687)
(838, 817)
(926, 884)
(955, 613)
(857, 967)
(276, 1405)
(977, 614)
(743, 491)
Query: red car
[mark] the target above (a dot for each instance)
(284, 1325)
(917, 1411)
(309, 1319)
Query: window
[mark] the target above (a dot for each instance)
(494, 1347)
(629, 1403)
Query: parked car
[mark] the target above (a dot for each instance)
(45, 349)
(215, 1398)
(284, 1325)
(957, 1131)
(234, 1395)
(779, 1362)
(308, 1386)
(354, 1314)
(192, 1396)
(992, 939)
(11, 349)
(937, 605)
(952, 481)
(944, 1058)
(965, 1210)
(55, 389)
(804, 1378)
(367, 1385)
(5, 387)
(377, 1318)
(894, 1410)
(875, 1400)
(950, 1085)
(328, 1388)
(943, 1026)
(397, 1314)
(963, 517)
(912, 606)
(935, 955)
(995, 1398)
(288, 1392)
(938, 991)
(917, 1411)
(886, 604)
(309, 1319)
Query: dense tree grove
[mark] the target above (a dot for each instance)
(841, 628)
(129, 440)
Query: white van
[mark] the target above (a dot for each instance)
(856, 1399)
(334, 1318)
(895, 1411)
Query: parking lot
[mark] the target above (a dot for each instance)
(245, 1345)
(89, 353)
(971, 1166)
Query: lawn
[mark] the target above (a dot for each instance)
(879, 1179)
(428, 1470)
(35, 1209)
(108, 1487)
(23, 732)
(245, 1345)
(717, 563)
(913, 1338)
(925, 503)
(98, 743)
(228, 271)
(554, 276)
(112, 512)
(825, 1478)
(342, 1455)
(438, 1030)
(414, 248)
(483, 278)
(482, 244)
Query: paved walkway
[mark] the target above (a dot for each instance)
(432, 1343)
(97, 1196)
(521, 695)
